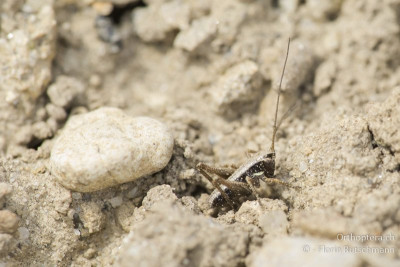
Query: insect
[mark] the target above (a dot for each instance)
(235, 184)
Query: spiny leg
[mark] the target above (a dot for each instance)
(253, 189)
(221, 172)
(235, 186)
(224, 174)
(273, 181)
(216, 184)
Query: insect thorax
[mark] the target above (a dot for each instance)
(263, 165)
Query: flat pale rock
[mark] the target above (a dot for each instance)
(106, 147)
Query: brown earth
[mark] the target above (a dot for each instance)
(208, 69)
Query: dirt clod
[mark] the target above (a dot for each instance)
(8, 222)
(182, 238)
(209, 70)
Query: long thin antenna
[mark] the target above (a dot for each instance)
(275, 129)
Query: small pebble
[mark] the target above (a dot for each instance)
(116, 201)
(8, 222)
(324, 77)
(323, 10)
(41, 130)
(76, 196)
(200, 32)
(65, 91)
(90, 253)
(156, 23)
(187, 174)
(23, 233)
(298, 68)
(124, 215)
(52, 125)
(6, 241)
(238, 90)
(303, 167)
(56, 112)
(103, 8)
(5, 189)
(159, 194)
(132, 193)
(92, 217)
(106, 147)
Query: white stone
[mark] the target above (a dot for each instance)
(106, 147)
(303, 167)
(201, 31)
(116, 201)
(76, 196)
(23, 233)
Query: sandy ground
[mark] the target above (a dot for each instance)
(209, 70)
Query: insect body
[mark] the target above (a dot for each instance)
(235, 184)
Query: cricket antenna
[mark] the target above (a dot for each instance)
(275, 129)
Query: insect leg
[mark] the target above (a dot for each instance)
(216, 184)
(273, 181)
(221, 172)
(253, 188)
(236, 186)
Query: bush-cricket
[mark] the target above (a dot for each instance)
(234, 184)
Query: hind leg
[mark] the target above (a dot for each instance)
(253, 185)
(215, 182)
(221, 172)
